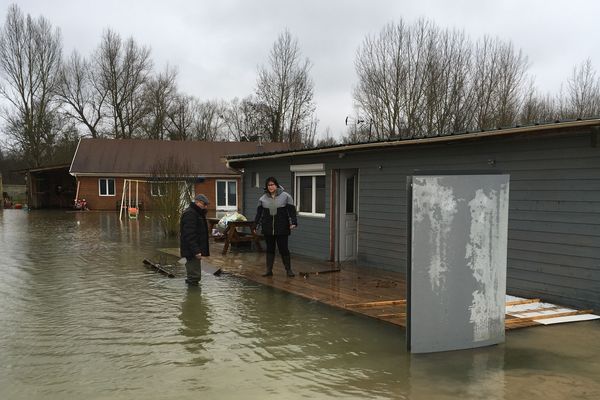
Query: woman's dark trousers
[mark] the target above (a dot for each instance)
(281, 241)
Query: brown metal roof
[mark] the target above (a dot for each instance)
(138, 157)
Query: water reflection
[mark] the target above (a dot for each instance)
(81, 317)
(195, 325)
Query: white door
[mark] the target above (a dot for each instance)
(348, 212)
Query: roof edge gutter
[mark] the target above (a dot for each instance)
(437, 139)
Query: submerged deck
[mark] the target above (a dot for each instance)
(373, 292)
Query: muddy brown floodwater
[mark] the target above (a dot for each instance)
(81, 318)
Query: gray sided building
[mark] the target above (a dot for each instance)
(352, 200)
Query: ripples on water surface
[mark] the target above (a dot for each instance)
(81, 318)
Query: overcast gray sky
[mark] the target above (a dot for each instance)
(217, 45)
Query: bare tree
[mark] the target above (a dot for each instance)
(123, 68)
(208, 121)
(159, 96)
(246, 119)
(30, 54)
(326, 140)
(419, 80)
(538, 108)
(286, 89)
(181, 116)
(171, 181)
(81, 99)
(583, 92)
(498, 83)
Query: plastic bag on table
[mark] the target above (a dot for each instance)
(232, 217)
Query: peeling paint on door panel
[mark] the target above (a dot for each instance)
(435, 202)
(486, 257)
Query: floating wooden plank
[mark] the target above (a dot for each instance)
(392, 315)
(327, 271)
(158, 268)
(555, 315)
(530, 310)
(519, 323)
(377, 304)
(523, 301)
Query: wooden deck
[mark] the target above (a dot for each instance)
(373, 292)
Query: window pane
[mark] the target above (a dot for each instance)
(320, 194)
(305, 193)
(221, 194)
(350, 195)
(102, 187)
(111, 186)
(231, 193)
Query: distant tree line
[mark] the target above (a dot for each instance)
(421, 80)
(116, 93)
(412, 81)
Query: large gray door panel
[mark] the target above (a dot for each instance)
(458, 246)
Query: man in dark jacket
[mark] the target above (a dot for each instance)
(194, 237)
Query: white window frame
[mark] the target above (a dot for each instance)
(314, 175)
(161, 189)
(226, 207)
(256, 179)
(106, 187)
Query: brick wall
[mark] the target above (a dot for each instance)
(90, 191)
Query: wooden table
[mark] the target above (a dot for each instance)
(232, 235)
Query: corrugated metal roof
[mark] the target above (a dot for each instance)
(139, 157)
(537, 128)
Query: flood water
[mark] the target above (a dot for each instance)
(81, 318)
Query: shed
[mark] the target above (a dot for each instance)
(352, 200)
(50, 187)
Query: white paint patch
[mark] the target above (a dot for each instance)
(486, 253)
(435, 202)
(570, 318)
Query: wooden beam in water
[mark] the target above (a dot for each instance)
(327, 271)
(523, 301)
(392, 315)
(157, 267)
(384, 303)
(534, 310)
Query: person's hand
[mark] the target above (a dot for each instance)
(292, 226)
(199, 256)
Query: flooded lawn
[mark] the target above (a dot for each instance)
(82, 318)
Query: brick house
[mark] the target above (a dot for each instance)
(101, 166)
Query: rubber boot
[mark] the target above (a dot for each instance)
(270, 261)
(287, 261)
(194, 271)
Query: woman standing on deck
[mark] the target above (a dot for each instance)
(276, 214)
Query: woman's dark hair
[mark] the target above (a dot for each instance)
(270, 179)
